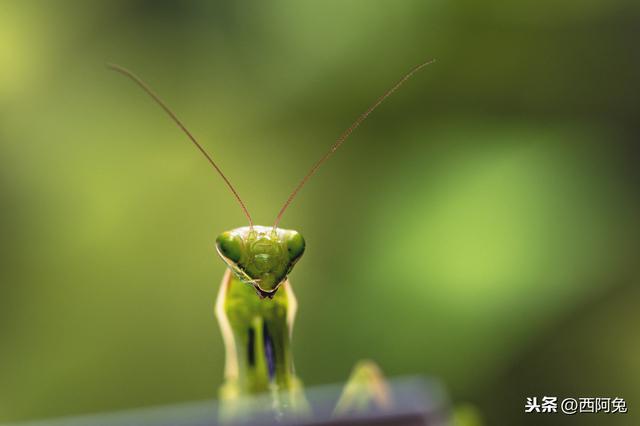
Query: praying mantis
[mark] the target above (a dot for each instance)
(256, 306)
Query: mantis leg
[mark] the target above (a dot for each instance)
(259, 361)
(366, 390)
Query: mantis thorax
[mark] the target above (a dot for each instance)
(261, 256)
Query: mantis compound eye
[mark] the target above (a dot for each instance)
(295, 246)
(230, 246)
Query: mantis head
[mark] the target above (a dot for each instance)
(261, 256)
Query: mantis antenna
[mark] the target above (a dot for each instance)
(343, 137)
(171, 114)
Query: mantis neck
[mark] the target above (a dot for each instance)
(257, 337)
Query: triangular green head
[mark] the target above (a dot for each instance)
(261, 256)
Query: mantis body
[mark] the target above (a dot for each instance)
(256, 307)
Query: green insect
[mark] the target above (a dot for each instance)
(256, 308)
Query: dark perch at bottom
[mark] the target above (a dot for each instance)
(417, 402)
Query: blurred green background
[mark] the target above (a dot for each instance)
(481, 227)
